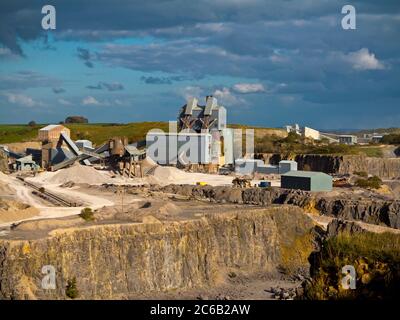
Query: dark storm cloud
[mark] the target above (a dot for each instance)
(26, 79)
(85, 55)
(315, 51)
(58, 90)
(161, 80)
(115, 86)
(106, 20)
(297, 48)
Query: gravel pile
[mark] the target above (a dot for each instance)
(78, 174)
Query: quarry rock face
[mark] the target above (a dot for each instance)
(382, 167)
(114, 261)
(368, 210)
(386, 168)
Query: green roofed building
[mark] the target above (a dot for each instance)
(306, 180)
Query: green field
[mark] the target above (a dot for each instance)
(97, 133)
(267, 140)
(100, 132)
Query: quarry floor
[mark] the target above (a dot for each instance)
(113, 208)
(82, 184)
(82, 193)
(237, 287)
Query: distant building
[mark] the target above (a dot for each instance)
(305, 132)
(376, 138)
(306, 180)
(347, 139)
(311, 133)
(330, 138)
(293, 128)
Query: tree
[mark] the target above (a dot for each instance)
(76, 119)
(292, 137)
(87, 214)
(32, 123)
(392, 138)
(372, 182)
(71, 291)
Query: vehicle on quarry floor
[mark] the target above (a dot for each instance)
(242, 182)
(201, 183)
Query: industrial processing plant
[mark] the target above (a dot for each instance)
(199, 157)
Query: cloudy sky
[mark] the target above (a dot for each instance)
(269, 62)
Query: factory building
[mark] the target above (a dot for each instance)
(306, 180)
(197, 118)
(52, 132)
(250, 166)
(311, 133)
(52, 151)
(202, 137)
(293, 128)
(347, 139)
(183, 147)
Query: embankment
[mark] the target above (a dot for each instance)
(375, 257)
(114, 261)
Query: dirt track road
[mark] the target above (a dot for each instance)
(24, 194)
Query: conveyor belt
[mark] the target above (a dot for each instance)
(58, 199)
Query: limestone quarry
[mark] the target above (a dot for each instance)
(112, 223)
(146, 240)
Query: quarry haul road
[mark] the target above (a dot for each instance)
(24, 194)
(59, 200)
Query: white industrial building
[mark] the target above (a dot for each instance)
(347, 139)
(250, 166)
(203, 137)
(184, 147)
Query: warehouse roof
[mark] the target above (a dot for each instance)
(305, 174)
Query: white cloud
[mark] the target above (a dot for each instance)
(89, 100)
(64, 102)
(275, 58)
(191, 91)
(249, 87)
(364, 60)
(227, 97)
(6, 53)
(287, 99)
(21, 99)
